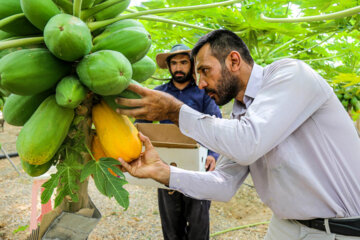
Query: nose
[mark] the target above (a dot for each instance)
(178, 67)
(202, 84)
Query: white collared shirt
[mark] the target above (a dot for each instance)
(293, 136)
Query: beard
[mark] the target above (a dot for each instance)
(226, 89)
(181, 79)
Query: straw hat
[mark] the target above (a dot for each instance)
(176, 49)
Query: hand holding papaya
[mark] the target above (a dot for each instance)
(148, 165)
(153, 105)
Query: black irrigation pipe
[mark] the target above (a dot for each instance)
(15, 154)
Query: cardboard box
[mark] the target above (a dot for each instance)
(173, 147)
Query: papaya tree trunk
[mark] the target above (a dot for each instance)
(83, 112)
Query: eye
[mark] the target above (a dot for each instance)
(205, 71)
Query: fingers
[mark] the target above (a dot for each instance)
(129, 102)
(146, 141)
(142, 91)
(124, 165)
(138, 113)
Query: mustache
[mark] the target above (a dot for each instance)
(209, 90)
(179, 72)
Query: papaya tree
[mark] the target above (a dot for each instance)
(63, 64)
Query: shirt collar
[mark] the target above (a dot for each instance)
(255, 81)
(252, 88)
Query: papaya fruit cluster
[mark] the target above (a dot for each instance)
(46, 81)
(349, 97)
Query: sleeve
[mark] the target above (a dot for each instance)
(218, 185)
(290, 94)
(212, 109)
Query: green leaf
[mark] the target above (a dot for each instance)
(105, 182)
(65, 179)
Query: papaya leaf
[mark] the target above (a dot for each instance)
(105, 182)
(49, 187)
(65, 179)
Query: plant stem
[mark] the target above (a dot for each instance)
(276, 49)
(290, 56)
(159, 19)
(85, 127)
(10, 19)
(20, 42)
(165, 20)
(325, 58)
(96, 25)
(237, 228)
(98, 8)
(77, 8)
(341, 14)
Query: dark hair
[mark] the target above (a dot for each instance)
(222, 42)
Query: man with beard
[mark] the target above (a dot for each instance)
(183, 217)
(288, 130)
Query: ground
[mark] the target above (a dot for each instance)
(140, 221)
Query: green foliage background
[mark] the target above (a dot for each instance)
(331, 47)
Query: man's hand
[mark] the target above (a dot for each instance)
(210, 163)
(148, 165)
(153, 105)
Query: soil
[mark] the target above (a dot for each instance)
(140, 221)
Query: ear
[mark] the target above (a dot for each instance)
(233, 61)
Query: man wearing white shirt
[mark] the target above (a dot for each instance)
(288, 130)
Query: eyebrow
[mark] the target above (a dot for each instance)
(201, 67)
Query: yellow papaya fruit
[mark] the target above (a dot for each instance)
(98, 151)
(118, 136)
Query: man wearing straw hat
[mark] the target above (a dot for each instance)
(183, 217)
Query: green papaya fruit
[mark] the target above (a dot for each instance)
(70, 92)
(10, 50)
(133, 42)
(44, 132)
(105, 72)
(110, 29)
(21, 26)
(9, 7)
(31, 71)
(110, 100)
(67, 37)
(35, 170)
(112, 11)
(39, 12)
(18, 109)
(143, 69)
